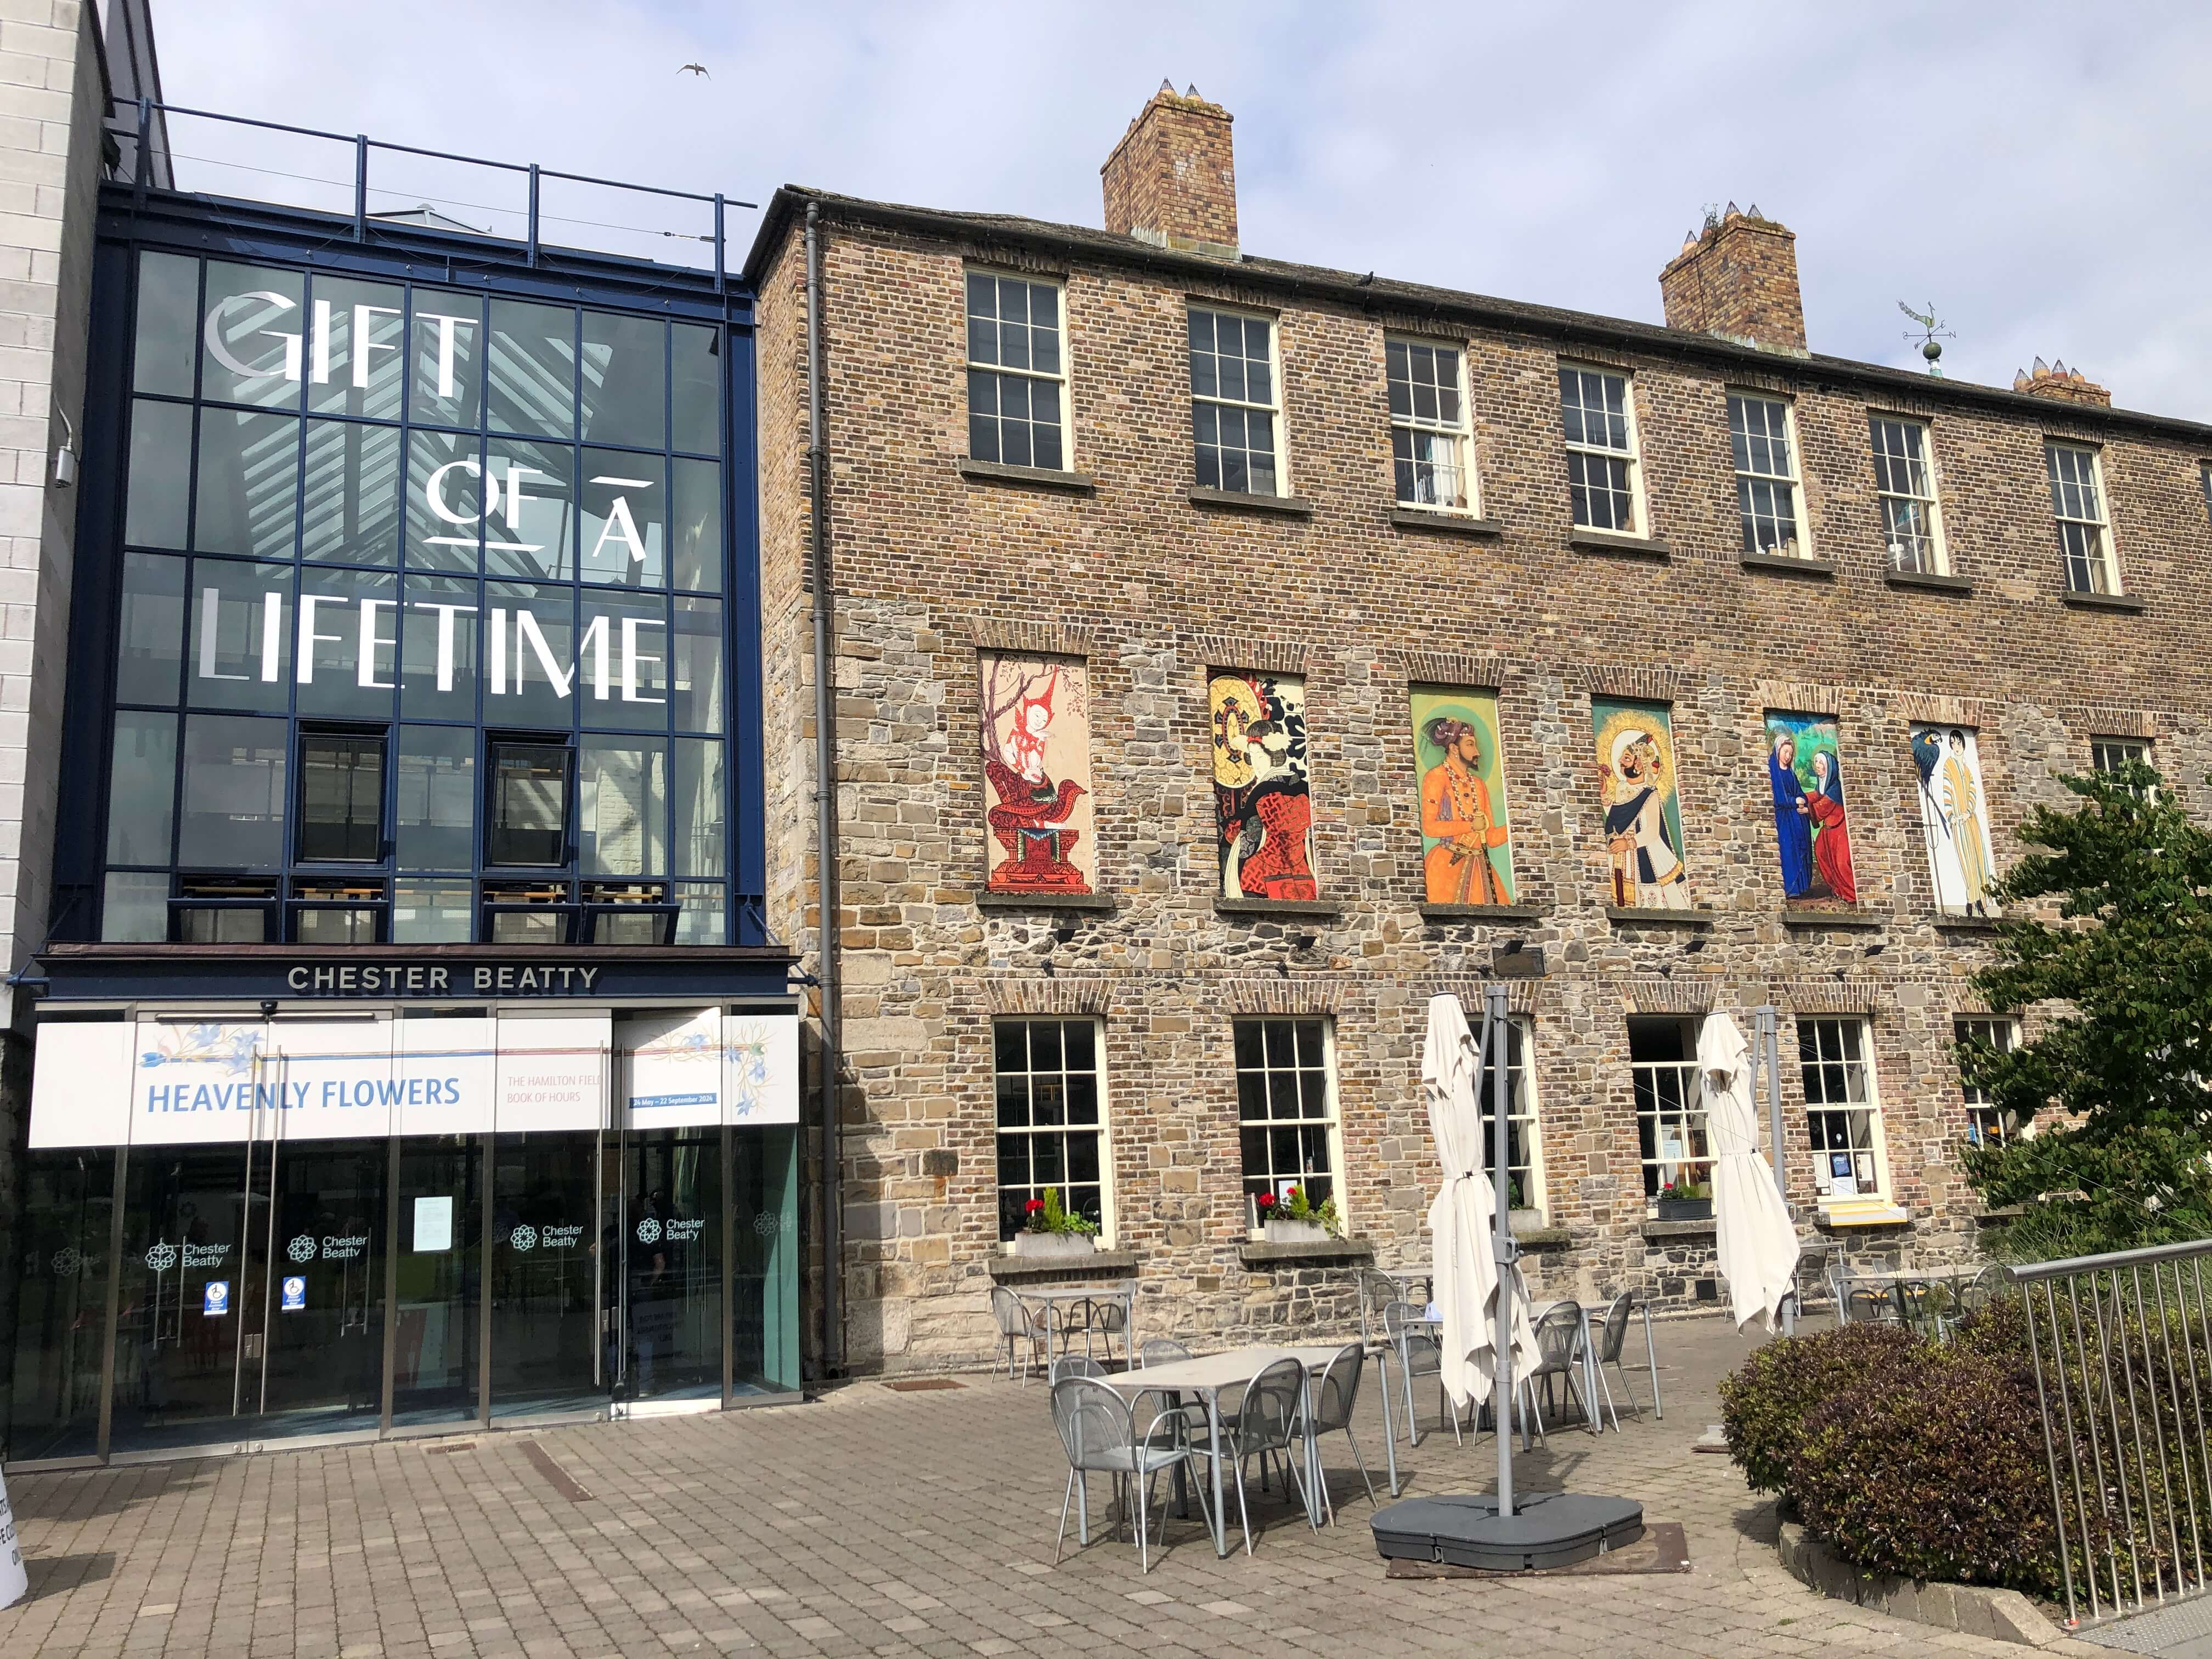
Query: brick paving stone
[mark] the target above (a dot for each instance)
(868, 1522)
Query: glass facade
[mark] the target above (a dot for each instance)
(422, 625)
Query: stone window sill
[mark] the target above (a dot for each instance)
(1096, 1264)
(1655, 1231)
(1817, 918)
(1258, 1252)
(1787, 564)
(1928, 580)
(1044, 901)
(1652, 917)
(1967, 924)
(1631, 547)
(1250, 907)
(2102, 601)
(1078, 483)
(1450, 524)
(1290, 507)
(1543, 1238)
(1484, 912)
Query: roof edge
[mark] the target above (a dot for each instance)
(1082, 242)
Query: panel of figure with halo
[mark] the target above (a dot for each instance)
(1947, 766)
(1262, 804)
(1634, 751)
(1812, 829)
(1036, 732)
(1466, 847)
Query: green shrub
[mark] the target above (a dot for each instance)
(1764, 1405)
(1933, 1469)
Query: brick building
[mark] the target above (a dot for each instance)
(1261, 541)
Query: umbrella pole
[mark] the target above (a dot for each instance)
(1498, 1041)
(1766, 1048)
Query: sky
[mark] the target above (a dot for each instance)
(2035, 172)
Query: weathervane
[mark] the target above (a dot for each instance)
(1931, 330)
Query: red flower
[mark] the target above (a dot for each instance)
(1267, 1201)
(1035, 1205)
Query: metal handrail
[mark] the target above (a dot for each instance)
(2035, 1271)
(362, 144)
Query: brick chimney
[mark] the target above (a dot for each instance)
(1172, 180)
(2068, 386)
(1737, 278)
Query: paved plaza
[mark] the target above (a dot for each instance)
(872, 1522)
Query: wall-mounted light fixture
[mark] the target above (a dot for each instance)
(65, 457)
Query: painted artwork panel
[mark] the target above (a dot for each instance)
(1640, 811)
(1954, 820)
(1812, 823)
(1262, 799)
(1467, 843)
(1041, 836)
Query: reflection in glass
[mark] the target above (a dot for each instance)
(530, 664)
(529, 804)
(445, 500)
(61, 1303)
(672, 1283)
(448, 373)
(622, 799)
(698, 665)
(625, 520)
(160, 488)
(432, 913)
(624, 671)
(233, 794)
(545, 1240)
(435, 820)
(695, 513)
(438, 648)
(324, 1369)
(765, 1314)
(150, 633)
(352, 507)
(168, 325)
(532, 370)
(697, 390)
(341, 797)
(250, 349)
(353, 635)
(249, 484)
(354, 355)
(241, 643)
(701, 921)
(141, 790)
(440, 1247)
(135, 907)
(699, 807)
(531, 528)
(625, 390)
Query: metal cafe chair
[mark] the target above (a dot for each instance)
(1017, 1324)
(1071, 1364)
(1420, 1353)
(1098, 1431)
(1335, 1392)
(1271, 1418)
(1558, 1354)
(1377, 1291)
(1611, 1338)
(1162, 1351)
(1867, 1304)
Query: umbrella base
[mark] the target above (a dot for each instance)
(1549, 1529)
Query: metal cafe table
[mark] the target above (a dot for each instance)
(1123, 1292)
(1207, 1376)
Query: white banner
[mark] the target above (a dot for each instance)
(552, 1071)
(760, 1068)
(80, 1082)
(198, 1081)
(670, 1074)
(336, 1077)
(446, 1068)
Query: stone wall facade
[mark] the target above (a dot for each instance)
(1153, 588)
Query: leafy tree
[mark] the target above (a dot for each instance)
(2125, 975)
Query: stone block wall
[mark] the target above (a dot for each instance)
(1154, 589)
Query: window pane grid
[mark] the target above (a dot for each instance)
(2077, 504)
(1428, 433)
(1232, 386)
(1601, 449)
(1049, 1119)
(1524, 1172)
(1014, 373)
(1839, 1107)
(1908, 497)
(1672, 1143)
(1766, 474)
(1985, 1121)
(1286, 1108)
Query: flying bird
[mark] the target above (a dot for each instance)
(693, 69)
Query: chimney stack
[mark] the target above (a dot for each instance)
(2068, 386)
(1172, 180)
(1737, 278)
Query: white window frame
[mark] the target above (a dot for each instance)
(1523, 1117)
(1459, 433)
(2078, 504)
(1632, 455)
(1886, 463)
(1748, 479)
(1273, 411)
(971, 367)
(1331, 1124)
(2108, 755)
(1104, 1131)
(1664, 1091)
(2001, 1032)
(1875, 1152)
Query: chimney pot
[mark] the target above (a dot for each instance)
(1172, 180)
(2064, 385)
(1739, 281)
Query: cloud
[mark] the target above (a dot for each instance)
(2032, 169)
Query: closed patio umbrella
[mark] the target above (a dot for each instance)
(1757, 1242)
(1461, 1220)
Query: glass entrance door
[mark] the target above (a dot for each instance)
(545, 1245)
(436, 1359)
(322, 1294)
(671, 1303)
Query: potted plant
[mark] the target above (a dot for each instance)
(1053, 1229)
(1519, 1216)
(1294, 1219)
(1686, 1200)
